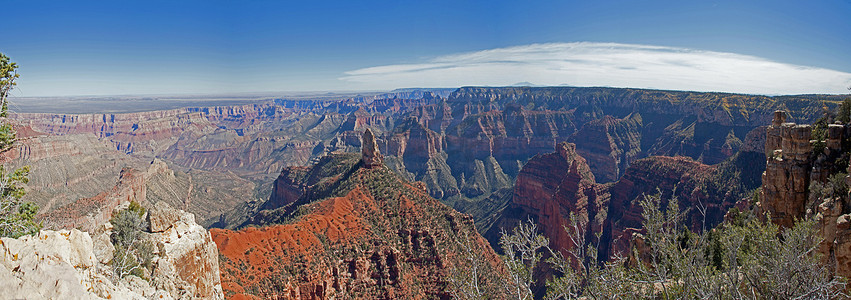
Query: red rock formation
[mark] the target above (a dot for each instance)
(792, 168)
(552, 186)
(370, 154)
(694, 184)
(384, 238)
(786, 181)
(287, 188)
(413, 139)
(510, 133)
(361, 119)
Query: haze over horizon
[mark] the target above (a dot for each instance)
(221, 47)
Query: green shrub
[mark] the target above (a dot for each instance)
(133, 254)
(745, 259)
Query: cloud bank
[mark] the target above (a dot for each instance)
(607, 64)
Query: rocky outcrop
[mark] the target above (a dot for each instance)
(360, 232)
(162, 216)
(550, 188)
(206, 194)
(800, 182)
(786, 180)
(369, 151)
(68, 167)
(509, 135)
(55, 265)
(69, 264)
(187, 260)
(553, 186)
(361, 120)
(89, 213)
(287, 188)
(713, 189)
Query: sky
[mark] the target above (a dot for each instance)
(67, 48)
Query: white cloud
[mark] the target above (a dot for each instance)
(607, 64)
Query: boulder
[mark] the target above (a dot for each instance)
(162, 216)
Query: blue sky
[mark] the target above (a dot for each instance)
(163, 47)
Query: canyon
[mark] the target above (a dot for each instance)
(467, 146)
(438, 173)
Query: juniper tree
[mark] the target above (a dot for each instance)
(17, 217)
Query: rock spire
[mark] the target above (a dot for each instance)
(369, 150)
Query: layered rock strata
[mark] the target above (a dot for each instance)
(550, 188)
(798, 181)
(786, 180)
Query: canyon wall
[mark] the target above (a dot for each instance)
(467, 146)
(803, 179)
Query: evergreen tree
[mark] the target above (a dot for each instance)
(17, 217)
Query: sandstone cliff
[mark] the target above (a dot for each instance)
(803, 179)
(548, 189)
(551, 187)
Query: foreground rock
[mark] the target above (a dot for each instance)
(188, 261)
(55, 265)
(69, 264)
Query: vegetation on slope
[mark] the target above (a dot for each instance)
(133, 254)
(355, 232)
(744, 258)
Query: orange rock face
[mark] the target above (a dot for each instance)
(381, 238)
(793, 169)
(550, 187)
